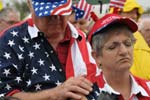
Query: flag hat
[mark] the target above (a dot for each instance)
(52, 7)
(109, 20)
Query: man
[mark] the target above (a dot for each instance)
(77, 19)
(142, 50)
(46, 58)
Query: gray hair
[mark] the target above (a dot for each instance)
(100, 38)
(5, 14)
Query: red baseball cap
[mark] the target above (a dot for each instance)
(110, 19)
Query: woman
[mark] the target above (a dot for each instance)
(112, 42)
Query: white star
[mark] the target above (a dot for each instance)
(36, 3)
(97, 94)
(20, 56)
(46, 77)
(0, 63)
(58, 83)
(47, 55)
(47, 7)
(15, 66)
(34, 71)
(11, 43)
(31, 54)
(38, 87)
(0, 81)
(26, 40)
(14, 33)
(46, 12)
(52, 67)
(7, 55)
(41, 62)
(18, 79)
(41, 8)
(21, 48)
(6, 72)
(28, 83)
(36, 46)
(8, 87)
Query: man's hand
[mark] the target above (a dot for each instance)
(75, 88)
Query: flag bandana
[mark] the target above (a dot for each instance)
(52, 7)
(78, 12)
(117, 3)
(87, 8)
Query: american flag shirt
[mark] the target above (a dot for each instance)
(28, 62)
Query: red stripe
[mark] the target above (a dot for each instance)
(69, 64)
(65, 11)
(91, 68)
(88, 12)
(60, 7)
(13, 92)
(117, 3)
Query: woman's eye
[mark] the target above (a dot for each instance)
(128, 44)
(111, 47)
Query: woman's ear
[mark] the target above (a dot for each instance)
(97, 58)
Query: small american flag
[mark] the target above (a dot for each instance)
(83, 5)
(117, 3)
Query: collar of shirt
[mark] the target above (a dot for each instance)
(136, 89)
(33, 30)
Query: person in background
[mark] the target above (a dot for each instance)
(142, 50)
(129, 8)
(76, 18)
(141, 64)
(46, 58)
(8, 17)
(112, 43)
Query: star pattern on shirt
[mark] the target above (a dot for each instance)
(28, 82)
(8, 87)
(34, 71)
(47, 55)
(15, 66)
(26, 40)
(14, 33)
(38, 87)
(7, 55)
(21, 48)
(52, 67)
(36, 46)
(11, 43)
(6, 72)
(0, 63)
(58, 83)
(46, 77)
(41, 62)
(31, 54)
(37, 63)
(20, 56)
(18, 79)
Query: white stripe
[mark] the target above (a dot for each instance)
(92, 60)
(64, 9)
(78, 62)
(114, 5)
(117, 1)
(148, 84)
